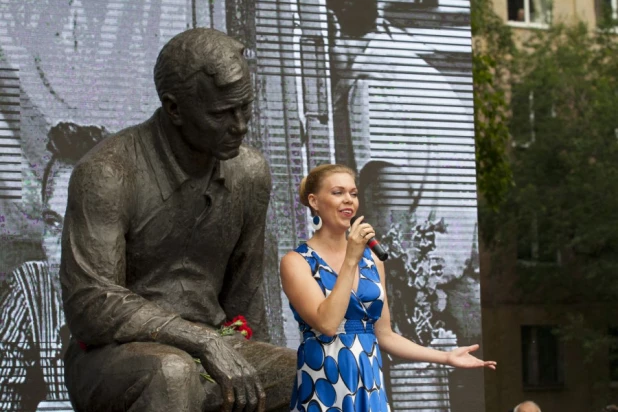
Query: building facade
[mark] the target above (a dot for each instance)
(519, 330)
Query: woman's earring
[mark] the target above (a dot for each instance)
(316, 222)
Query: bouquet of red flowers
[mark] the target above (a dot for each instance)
(238, 324)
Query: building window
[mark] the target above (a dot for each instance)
(613, 354)
(534, 241)
(534, 245)
(530, 12)
(541, 355)
(607, 12)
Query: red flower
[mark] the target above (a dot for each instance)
(238, 324)
(237, 321)
(82, 345)
(246, 331)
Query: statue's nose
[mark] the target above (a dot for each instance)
(240, 123)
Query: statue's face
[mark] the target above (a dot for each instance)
(215, 120)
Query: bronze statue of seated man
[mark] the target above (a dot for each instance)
(163, 242)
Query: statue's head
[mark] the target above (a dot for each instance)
(204, 85)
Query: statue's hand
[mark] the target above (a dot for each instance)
(240, 386)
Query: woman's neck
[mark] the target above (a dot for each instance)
(330, 241)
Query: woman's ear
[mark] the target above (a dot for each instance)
(333, 21)
(170, 106)
(313, 201)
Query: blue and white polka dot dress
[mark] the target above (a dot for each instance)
(342, 372)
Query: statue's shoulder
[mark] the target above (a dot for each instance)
(251, 164)
(113, 158)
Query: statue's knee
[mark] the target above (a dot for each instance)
(181, 378)
(288, 363)
(178, 370)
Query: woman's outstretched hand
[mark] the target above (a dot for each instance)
(461, 358)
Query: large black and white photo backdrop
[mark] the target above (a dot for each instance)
(384, 87)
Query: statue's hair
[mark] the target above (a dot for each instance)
(199, 50)
(313, 181)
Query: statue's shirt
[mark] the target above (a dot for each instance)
(144, 242)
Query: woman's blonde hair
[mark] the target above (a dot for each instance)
(312, 182)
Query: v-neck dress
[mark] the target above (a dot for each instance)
(342, 372)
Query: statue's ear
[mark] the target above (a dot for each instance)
(170, 106)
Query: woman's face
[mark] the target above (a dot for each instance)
(53, 214)
(337, 200)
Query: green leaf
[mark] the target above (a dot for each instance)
(207, 377)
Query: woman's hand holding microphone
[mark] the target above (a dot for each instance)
(360, 233)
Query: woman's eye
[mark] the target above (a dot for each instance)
(53, 223)
(337, 193)
(354, 194)
(52, 220)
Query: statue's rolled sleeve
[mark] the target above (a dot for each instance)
(98, 306)
(242, 292)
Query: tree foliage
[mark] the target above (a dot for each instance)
(492, 48)
(551, 178)
(565, 127)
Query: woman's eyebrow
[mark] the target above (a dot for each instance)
(342, 187)
(48, 212)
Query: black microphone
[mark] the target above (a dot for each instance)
(374, 245)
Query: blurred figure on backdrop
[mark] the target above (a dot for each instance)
(34, 332)
(394, 89)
